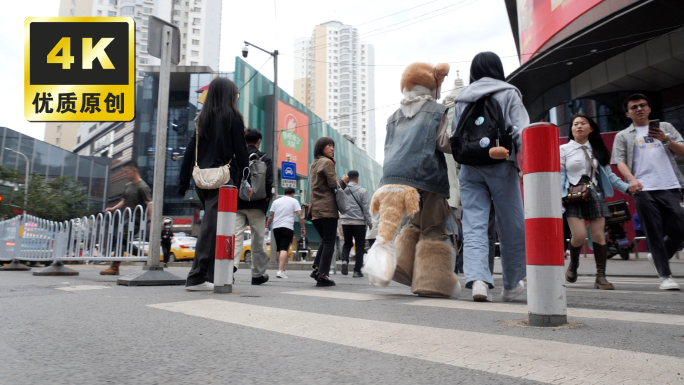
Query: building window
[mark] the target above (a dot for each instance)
(147, 10)
(111, 14)
(72, 12)
(196, 20)
(58, 141)
(112, 2)
(194, 53)
(143, 60)
(195, 31)
(78, 140)
(184, 46)
(176, 22)
(145, 21)
(186, 14)
(196, 9)
(195, 42)
(99, 13)
(194, 63)
(127, 11)
(99, 1)
(183, 57)
(143, 48)
(176, 12)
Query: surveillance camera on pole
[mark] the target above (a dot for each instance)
(245, 51)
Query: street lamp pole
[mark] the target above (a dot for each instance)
(274, 54)
(26, 178)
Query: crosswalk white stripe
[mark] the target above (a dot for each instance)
(81, 288)
(665, 319)
(526, 358)
(339, 295)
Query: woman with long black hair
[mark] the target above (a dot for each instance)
(585, 161)
(324, 182)
(220, 140)
(482, 184)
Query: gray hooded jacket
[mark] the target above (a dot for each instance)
(509, 99)
(359, 213)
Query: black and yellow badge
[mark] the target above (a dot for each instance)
(79, 69)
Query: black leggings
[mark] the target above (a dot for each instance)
(327, 230)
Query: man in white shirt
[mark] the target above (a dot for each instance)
(281, 221)
(644, 154)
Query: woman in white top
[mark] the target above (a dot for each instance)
(585, 160)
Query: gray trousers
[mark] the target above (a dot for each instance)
(257, 223)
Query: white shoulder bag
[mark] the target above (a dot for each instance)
(209, 178)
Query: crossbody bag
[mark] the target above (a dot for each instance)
(209, 178)
(582, 191)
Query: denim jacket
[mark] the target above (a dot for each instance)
(411, 156)
(606, 178)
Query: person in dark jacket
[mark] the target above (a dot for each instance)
(253, 212)
(167, 234)
(220, 139)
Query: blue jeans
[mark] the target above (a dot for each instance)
(479, 184)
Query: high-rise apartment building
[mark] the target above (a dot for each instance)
(334, 77)
(199, 22)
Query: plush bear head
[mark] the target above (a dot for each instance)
(424, 74)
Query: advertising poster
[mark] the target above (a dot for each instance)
(540, 20)
(293, 138)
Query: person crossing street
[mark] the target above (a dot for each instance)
(354, 224)
(283, 212)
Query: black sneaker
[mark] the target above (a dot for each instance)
(260, 280)
(345, 267)
(324, 281)
(358, 274)
(314, 274)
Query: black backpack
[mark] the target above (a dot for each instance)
(481, 127)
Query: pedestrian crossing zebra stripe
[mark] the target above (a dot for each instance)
(516, 308)
(527, 358)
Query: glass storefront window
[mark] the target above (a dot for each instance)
(9, 158)
(606, 117)
(55, 162)
(40, 159)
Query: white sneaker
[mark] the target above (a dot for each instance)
(510, 295)
(668, 284)
(281, 274)
(650, 259)
(481, 292)
(205, 286)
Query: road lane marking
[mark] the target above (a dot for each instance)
(344, 295)
(665, 319)
(526, 358)
(81, 288)
(608, 292)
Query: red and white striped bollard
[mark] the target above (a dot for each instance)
(225, 239)
(546, 298)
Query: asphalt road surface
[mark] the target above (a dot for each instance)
(88, 330)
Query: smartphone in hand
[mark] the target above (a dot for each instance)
(653, 127)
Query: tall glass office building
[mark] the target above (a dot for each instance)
(52, 162)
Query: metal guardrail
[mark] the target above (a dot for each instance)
(114, 236)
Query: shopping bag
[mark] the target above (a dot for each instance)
(380, 263)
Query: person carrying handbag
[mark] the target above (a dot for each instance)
(586, 180)
(219, 142)
(354, 223)
(323, 207)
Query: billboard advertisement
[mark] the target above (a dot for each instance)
(540, 20)
(293, 138)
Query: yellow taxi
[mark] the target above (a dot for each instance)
(246, 255)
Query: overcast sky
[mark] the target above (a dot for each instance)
(453, 31)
